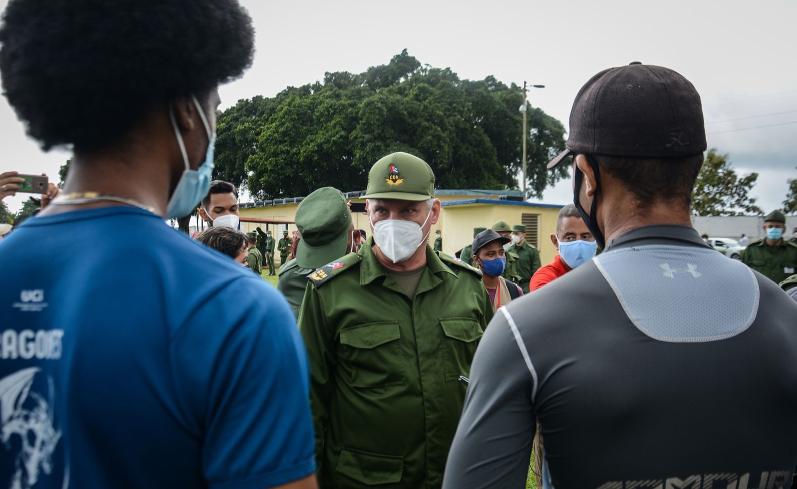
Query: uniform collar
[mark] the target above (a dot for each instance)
(684, 234)
(371, 269)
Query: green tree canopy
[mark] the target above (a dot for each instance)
(29, 207)
(790, 204)
(719, 191)
(331, 132)
(6, 217)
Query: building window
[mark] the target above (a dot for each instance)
(532, 224)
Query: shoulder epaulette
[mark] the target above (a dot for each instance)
(450, 260)
(326, 273)
(757, 242)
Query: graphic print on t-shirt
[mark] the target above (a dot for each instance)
(28, 426)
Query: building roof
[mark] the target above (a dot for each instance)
(456, 203)
(509, 195)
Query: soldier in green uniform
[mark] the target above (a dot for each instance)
(773, 256)
(254, 259)
(438, 241)
(528, 256)
(324, 220)
(389, 331)
(511, 271)
(284, 247)
(265, 243)
(466, 255)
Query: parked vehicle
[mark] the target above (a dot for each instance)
(727, 246)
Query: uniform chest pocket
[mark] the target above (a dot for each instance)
(370, 355)
(461, 337)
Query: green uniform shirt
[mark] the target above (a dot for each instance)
(776, 262)
(511, 271)
(254, 260)
(292, 283)
(384, 368)
(284, 247)
(528, 262)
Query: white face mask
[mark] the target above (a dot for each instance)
(398, 239)
(227, 220)
(507, 246)
(515, 239)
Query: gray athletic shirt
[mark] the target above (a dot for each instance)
(660, 364)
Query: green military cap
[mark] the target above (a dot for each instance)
(324, 220)
(252, 234)
(477, 231)
(775, 216)
(501, 227)
(400, 176)
(518, 228)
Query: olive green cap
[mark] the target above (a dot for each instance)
(324, 220)
(775, 216)
(518, 228)
(400, 176)
(501, 227)
(477, 231)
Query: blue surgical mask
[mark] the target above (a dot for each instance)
(576, 253)
(774, 233)
(193, 184)
(494, 267)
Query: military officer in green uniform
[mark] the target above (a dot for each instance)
(324, 220)
(466, 255)
(389, 331)
(266, 246)
(254, 259)
(511, 271)
(773, 256)
(284, 247)
(528, 256)
(438, 241)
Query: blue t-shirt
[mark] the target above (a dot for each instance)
(133, 357)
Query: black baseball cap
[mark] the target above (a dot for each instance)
(638, 110)
(486, 237)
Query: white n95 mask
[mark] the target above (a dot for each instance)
(226, 221)
(398, 239)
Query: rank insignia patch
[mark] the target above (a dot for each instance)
(393, 175)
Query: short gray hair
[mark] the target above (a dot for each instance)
(567, 211)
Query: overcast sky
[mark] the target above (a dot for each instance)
(739, 55)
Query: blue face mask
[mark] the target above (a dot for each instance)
(576, 253)
(193, 184)
(774, 233)
(494, 267)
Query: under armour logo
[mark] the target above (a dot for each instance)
(670, 272)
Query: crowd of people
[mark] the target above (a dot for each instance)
(134, 356)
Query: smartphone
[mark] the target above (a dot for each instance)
(33, 184)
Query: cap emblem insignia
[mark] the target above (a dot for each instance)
(393, 175)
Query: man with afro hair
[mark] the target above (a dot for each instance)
(138, 358)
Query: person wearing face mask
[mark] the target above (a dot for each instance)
(489, 255)
(389, 331)
(660, 362)
(438, 241)
(528, 257)
(773, 256)
(180, 369)
(220, 205)
(324, 221)
(573, 242)
(511, 271)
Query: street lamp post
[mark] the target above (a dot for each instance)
(524, 109)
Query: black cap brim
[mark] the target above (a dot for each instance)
(558, 159)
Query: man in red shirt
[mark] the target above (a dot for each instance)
(575, 245)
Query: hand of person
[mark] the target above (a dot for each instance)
(9, 184)
(52, 192)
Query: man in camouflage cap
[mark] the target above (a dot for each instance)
(528, 256)
(511, 272)
(324, 221)
(389, 331)
(772, 255)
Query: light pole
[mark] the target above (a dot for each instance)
(524, 109)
